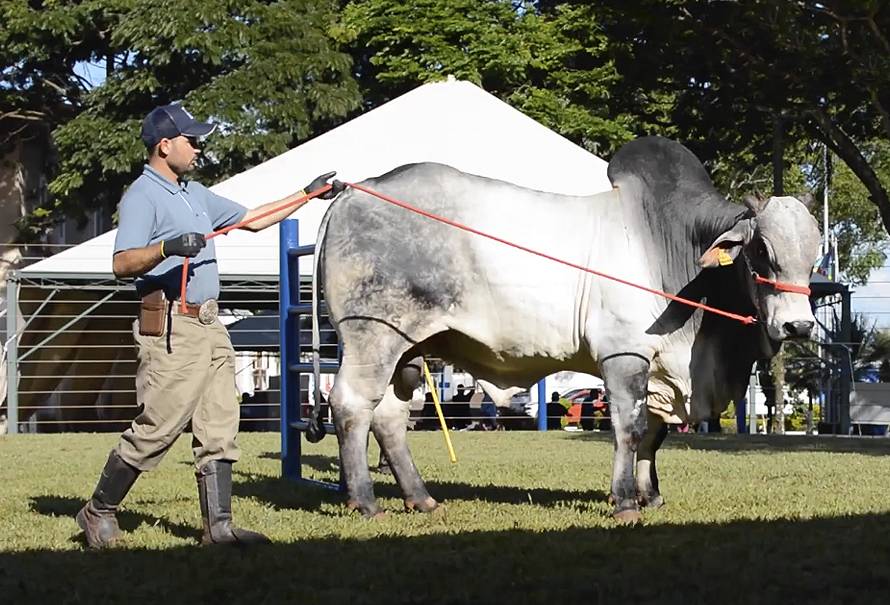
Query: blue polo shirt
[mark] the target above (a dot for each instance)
(154, 209)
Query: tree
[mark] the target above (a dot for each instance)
(777, 371)
(878, 354)
(266, 71)
(551, 67)
(870, 350)
(745, 72)
(40, 45)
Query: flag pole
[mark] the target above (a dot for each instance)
(826, 243)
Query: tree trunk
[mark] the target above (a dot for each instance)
(777, 369)
(778, 157)
(810, 425)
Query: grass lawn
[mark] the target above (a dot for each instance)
(748, 520)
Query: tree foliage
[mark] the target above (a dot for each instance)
(869, 349)
(821, 69)
(552, 67)
(40, 45)
(742, 82)
(266, 71)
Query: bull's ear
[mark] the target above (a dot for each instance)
(728, 245)
(806, 199)
(755, 203)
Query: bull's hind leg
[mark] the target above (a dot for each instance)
(370, 354)
(647, 476)
(390, 426)
(357, 390)
(626, 377)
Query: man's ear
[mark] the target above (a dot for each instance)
(727, 246)
(163, 147)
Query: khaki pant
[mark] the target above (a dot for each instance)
(186, 374)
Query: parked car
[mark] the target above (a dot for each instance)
(522, 402)
(588, 409)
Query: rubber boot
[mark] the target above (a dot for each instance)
(215, 494)
(98, 518)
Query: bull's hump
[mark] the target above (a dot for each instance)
(659, 162)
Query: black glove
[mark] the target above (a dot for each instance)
(320, 181)
(187, 244)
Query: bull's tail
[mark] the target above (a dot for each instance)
(315, 431)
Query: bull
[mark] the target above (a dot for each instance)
(399, 285)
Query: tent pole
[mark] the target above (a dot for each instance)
(12, 349)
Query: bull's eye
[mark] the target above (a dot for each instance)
(761, 250)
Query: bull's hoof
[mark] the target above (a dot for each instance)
(368, 511)
(652, 501)
(610, 500)
(427, 505)
(438, 513)
(629, 516)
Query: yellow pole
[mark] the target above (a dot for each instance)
(435, 392)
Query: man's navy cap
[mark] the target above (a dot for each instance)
(170, 121)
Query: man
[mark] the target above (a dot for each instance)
(186, 361)
(555, 412)
(588, 410)
(460, 408)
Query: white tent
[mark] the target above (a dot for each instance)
(455, 123)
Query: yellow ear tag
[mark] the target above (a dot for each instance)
(723, 258)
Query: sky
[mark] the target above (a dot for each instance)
(873, 299)
(92, 72)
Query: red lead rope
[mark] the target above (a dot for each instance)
(745, 319)
(780, 285)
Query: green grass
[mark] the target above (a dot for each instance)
(748, 520)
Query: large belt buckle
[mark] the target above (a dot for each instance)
(208, 312)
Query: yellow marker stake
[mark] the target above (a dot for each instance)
(435, 392)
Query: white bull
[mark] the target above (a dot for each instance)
(399, 285)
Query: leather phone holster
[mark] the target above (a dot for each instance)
(153, 313)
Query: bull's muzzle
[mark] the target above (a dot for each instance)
(798, 329)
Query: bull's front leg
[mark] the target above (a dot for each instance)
(626, 377)
(647, 475)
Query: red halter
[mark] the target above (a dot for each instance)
(781, 286)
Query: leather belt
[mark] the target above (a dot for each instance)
(206, 312)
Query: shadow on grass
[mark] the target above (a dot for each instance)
(763, 443)
(780, 443)
(322, 464)
(810, 561)
(58, 506)
(281, 494)
(286, 495)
